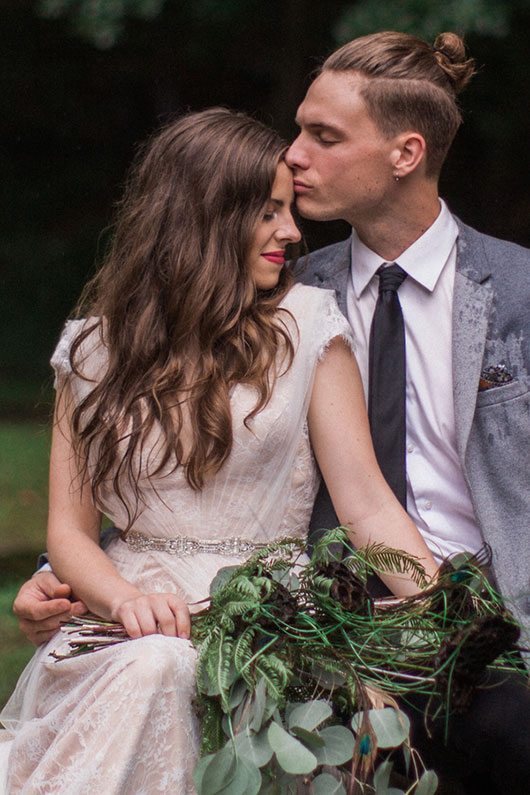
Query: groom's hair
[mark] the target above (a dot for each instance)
(410, 85)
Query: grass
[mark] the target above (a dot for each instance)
(23, 486)
(23, 508)
(15, 651)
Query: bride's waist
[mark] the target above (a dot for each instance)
(189, 545)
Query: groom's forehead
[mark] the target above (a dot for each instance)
(332, 100)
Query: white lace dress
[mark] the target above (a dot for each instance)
(121, 720)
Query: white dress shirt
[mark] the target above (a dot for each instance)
(437, 495)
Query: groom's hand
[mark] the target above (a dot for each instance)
(41, 604)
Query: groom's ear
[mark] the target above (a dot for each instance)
(408, 153)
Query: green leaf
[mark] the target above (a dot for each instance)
(428, 783)
(220, 771)
(221, 578)
(382, 776)
(198, 773)
(247, 780)
(406, 757)
(292, 756)
(324, 784)
(310, 739)
(310, 714)
(391, 726)
(258, 705)
(254, 748)
(339, 742)
(237, 693)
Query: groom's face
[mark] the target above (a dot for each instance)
(342, 163)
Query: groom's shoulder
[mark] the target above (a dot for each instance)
(501, 256)
(318, 266)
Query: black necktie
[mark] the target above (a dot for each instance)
(386, 388)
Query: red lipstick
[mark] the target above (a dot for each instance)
(278, 257)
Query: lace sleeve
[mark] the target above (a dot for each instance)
(60, 360)
(331, 324)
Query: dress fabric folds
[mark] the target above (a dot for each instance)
(121, 720)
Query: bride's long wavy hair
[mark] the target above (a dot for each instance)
(176, 304)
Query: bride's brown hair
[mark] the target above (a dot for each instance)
(176, 304)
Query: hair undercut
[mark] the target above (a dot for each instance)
(176, 304)
(410, 85)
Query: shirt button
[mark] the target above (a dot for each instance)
(428, 505)
(410, 448)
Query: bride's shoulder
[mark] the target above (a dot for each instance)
(317, 316)
(87, 334)
(302, 298)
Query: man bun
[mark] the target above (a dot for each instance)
(450, 53)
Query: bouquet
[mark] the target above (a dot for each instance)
(300, 668)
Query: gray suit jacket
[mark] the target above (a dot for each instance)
(491, 326)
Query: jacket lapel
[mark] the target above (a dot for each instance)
(333, 275)
(471, 309)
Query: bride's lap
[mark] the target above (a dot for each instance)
(120, 719)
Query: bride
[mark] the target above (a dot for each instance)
(192, 402)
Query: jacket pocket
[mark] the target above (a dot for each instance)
(502, 393)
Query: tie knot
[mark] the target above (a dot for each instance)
(391, 277)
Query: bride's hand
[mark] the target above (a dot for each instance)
(149, 614)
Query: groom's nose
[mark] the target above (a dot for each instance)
(295, 157)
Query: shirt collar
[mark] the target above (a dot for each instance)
(423, 261)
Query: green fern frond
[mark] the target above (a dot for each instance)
(243, 648)
(382, 559)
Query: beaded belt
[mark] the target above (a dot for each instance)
(182, 545)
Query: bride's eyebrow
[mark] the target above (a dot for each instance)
(278, 202)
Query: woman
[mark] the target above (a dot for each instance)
(185, 406)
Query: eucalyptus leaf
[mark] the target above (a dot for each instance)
(220, 771)
(247, 780)
(310, 714)
(198, 773)
(338, 748)
(324, 784)
(428, 783)
(311, 739)
(258, 705)
(221, 578)
(406, 757)
(243, 714)
(382, 776)
(327, 679)
(253, 747)
(391, 726)
(292, 756)
(237, 693)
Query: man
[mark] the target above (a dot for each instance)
(375, 128)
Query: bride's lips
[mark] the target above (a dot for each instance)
(278, 257)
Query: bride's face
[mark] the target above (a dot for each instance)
(274, 232)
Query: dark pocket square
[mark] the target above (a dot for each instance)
(495, 375)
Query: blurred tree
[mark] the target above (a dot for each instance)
(100, 21)
(76, 97)
(426, 18)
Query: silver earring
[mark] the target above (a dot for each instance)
(396, 177)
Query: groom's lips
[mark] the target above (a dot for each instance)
(301, 187)
(278, 257)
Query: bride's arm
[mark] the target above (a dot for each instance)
(340, 437)
(76, 557)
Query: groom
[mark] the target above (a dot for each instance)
(375, 128)
(446, 370)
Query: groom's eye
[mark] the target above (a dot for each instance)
(325, 140)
